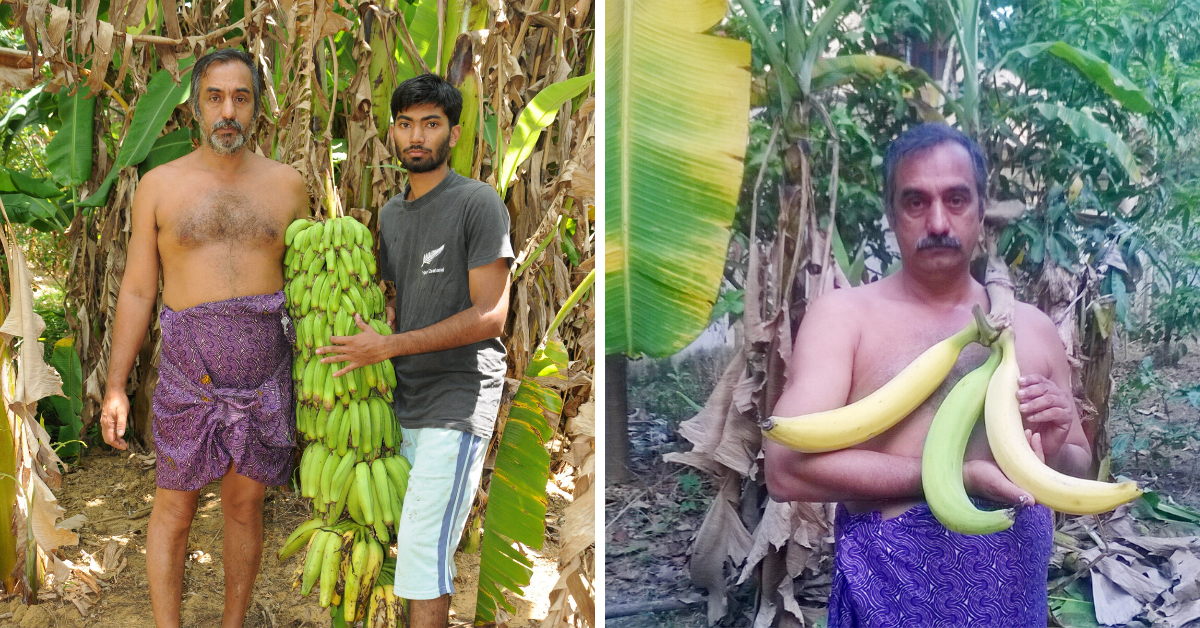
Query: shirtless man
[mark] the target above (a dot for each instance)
(214, 220)
(895, 565)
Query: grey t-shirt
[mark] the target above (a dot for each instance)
(426, 248)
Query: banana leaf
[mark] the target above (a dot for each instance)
(422, 20)
(516, 506)
(1087, 128)
(836, 71)
(22, 113)
(39, 213)
(150, 115)
(676, 124)
(167, 148)
(537, 115)
(461, 73)
(1097, 70)
(37, 188)
(69, 154)
(66, 361)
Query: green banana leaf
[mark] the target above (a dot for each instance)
(676, 124)
(38, 188)
(39, 213)
(66, 361)
(516, 506)
(1097, 70)
(422, 20)
(836, 71)
(382, 85)
(537, 115)
(150, 115)
(1089, 129)
(69, 154)
(23, 112)
(167, 148)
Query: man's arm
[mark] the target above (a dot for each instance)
(135, 305)
(489, 286)
(1047, 404)
(819, 379)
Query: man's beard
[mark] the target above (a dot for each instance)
(222, 145)
(434, 160)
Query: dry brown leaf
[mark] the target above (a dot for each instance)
(721, 538)
(1114, 606)
(35, 378)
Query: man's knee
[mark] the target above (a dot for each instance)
(242, 502)
(174, 510)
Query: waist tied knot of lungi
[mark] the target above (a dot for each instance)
(224, 394)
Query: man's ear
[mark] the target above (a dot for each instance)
(455, 131)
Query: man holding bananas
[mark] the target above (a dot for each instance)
(214, 220)
(895, 564)
(444, 243)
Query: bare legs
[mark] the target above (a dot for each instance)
(433, 613)
(166, 547)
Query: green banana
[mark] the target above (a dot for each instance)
(942, 457)
(312, 563)
(398, 467)
(356, 432)
(365, 493)
(382, 493)
(354, 503)
(329, 571)
(299, 537)
(331, 464)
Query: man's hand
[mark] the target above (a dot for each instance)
(113, 415)
(391, 317)
(1048, 411)
(359, 350)
(983, 478)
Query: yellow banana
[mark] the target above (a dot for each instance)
(874, 414)
(1010, 447)
(942, 458)
(299, 537)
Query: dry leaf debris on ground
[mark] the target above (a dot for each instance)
(102, 581)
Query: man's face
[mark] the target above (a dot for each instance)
(226, 107)
(424, 137)
(937, 218)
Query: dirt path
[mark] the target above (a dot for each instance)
(115, 491)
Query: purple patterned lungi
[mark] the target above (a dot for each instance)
(225, 393)
(911, 572)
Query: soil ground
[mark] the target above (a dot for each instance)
(116, 491)
(650, 523)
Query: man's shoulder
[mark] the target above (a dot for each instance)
(475, 190)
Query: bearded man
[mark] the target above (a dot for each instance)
(213, 222)
(895, 564)
(444, 243)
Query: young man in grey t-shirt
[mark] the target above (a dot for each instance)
(444, 243)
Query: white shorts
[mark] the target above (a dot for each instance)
(446, 467)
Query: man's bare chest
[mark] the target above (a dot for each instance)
(230, 216)
(882, 353)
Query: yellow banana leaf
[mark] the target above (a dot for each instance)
(676, 126)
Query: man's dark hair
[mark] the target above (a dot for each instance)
(428, 89)
(919, 138)
(225, 55)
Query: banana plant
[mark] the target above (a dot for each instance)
(516, 505)
(537, 115)
(149, 117)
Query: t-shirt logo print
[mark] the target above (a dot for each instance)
(429, 257)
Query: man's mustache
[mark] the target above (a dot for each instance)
(939, 242)
(227, 124)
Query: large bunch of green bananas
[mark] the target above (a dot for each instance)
(350, 467)
(991, 390)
